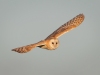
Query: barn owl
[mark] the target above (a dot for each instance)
(52, 42)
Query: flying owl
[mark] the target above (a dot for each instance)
(52, 42)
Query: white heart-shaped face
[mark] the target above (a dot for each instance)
(53, 43)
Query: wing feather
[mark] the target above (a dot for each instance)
(25, 49)
(73, 23)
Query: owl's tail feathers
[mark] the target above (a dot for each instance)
(24, 49)
(28, 48)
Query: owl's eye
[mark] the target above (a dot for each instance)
(52, 42)
(56, 43)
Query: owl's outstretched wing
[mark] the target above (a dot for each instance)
(73, 23)
(27, 48)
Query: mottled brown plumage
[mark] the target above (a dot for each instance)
(52, 42)
(76, 21)
(27, 48)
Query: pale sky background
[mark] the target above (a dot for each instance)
(23, 22)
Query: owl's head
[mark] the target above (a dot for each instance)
(52, 43)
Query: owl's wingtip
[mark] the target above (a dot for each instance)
(18, 51)
(13, 50)
(82, 14)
